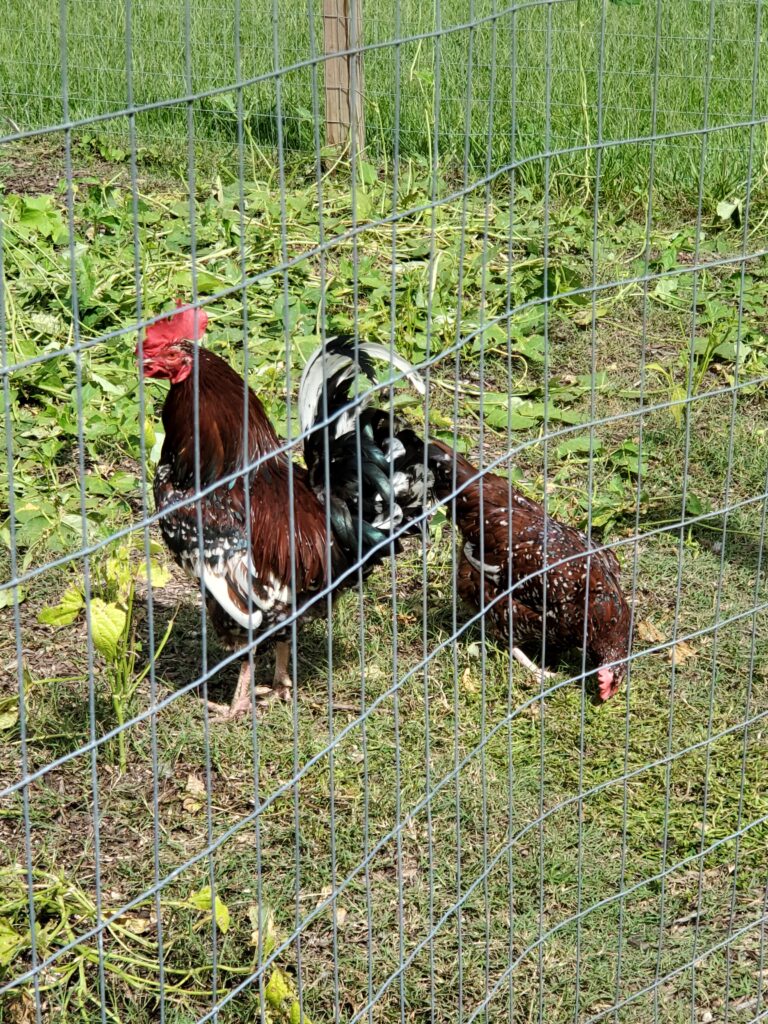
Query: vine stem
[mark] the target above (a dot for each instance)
(584, 101)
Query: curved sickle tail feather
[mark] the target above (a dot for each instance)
(333, 367)
(366, 463)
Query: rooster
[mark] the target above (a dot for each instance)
(345, 508)
(505, 555)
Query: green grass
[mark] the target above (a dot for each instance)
(491, 81)
(529, 821)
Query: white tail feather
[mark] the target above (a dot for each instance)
(322, 365)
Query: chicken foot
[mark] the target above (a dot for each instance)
(282, 683)
(281, 688)
(526, 662)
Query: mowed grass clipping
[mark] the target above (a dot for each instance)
(441, 836)
(493, 83)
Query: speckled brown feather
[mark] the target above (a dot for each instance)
(513, 538)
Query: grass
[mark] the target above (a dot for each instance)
(486, 83)
(482, 831)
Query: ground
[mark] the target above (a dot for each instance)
(444, 836)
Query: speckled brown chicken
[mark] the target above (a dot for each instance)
(507, 555)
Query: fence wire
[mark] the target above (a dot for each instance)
(558, 213)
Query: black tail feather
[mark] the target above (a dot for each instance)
(375, 474)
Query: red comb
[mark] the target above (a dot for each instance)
(189, 325)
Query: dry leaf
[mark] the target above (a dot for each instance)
(649, 633)
(410, 870)
(341, 917)
(195, 790)
(468, 681)
(533, 711)
(263, 928)
(323, 896)
(139, 924)
(22, 1011)
(690, 918)
(746, 1004)
(681, 653)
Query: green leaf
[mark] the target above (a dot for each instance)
(202, 901)
(499, 418)
(8, 719)
(730, 209)
(530, 347)
(154, 455)
(123, 483)
(363, 205)
(38, 212)
(578, 444)
(108, 623)
(665, 288)
(96, 485)
(277, 990)
(224, 101)
(108, 386)
(10, 942)
(727, 350)
(603, 515)
(206, 282)
(65, 612)
(367, 173)
(74, 522)
(677, 395)
(159, 574)
(627, 457)
(583, 317)
(296, 1016)
(694, 506)
(9, 597)
(501, 410)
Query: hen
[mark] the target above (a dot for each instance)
(510, 551)
(372, 483)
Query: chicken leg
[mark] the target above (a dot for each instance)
(529, 622)
(282, 683)
(241, 699)
(281, 688)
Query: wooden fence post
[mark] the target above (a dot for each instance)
(343, 30)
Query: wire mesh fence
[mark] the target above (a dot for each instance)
(557, 214)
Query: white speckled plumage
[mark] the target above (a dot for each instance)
(528, 590)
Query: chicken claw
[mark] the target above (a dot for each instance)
(526, 662)
(281, 689)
